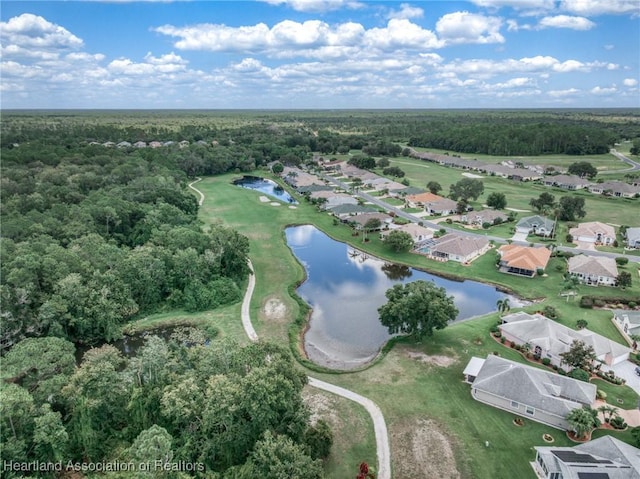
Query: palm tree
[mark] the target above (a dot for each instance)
(608, 412)
(503, 305)
(583, 420)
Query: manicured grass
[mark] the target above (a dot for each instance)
(621, 211)
(616, 393)
(406, 389)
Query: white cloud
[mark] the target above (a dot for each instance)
(465, 27)
(601, 7)
(518, 4)
(604, 90)
(563, 93)
(407, 11)
(317, 6)
(630, 82)
(34, 32)
(566, 21)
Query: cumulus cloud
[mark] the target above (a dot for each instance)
(566, 21)
(316, 6)
(34, 32)
(601, 7)
(630, 82)
(519, 4)
(604, 90)
(563, 93)
(465, 27)
(407, 11)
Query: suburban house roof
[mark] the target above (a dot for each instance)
(460, 245)
(485, 216)
(362, 218)
(602, 458)
(537, 221)
(593, 228)
(351, 209)
(566, 180)
(443, 204)
(413, 229)
(314, 187)
(408, 190)
(616, 187)
(633, 236)
(557, 338)
(425, 197)
(543, 390)
(593, 265)
(524, 257)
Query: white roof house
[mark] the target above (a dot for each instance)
(594, 270)
(593, 232)
(550, 339)
(633, 237)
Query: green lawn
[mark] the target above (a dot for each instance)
(406, 389)
(621, 211)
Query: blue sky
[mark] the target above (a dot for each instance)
(320, 54)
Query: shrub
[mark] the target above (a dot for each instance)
(569, 238)
(546, 361)
(494, 329)
(586, 302)
(579, 374)
(562, 372)
(486, 225)
(539, 271)
(581, 323)
(503, 339)
(600, 303)
(621, 261)
(632, 304)
(618, 423)
(600, 394)
(550, 312)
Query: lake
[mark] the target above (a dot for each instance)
(346, 287)
(268, 187)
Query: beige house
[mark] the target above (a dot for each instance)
(593, 232)
(418, 233)
(526, 391)
(442, 207)
(594, 270)
(478, 218)
(615, 188)
(523, 260)
(456, 247)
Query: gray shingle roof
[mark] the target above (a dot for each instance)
(538, 221)
(534, 387)
(593, 265)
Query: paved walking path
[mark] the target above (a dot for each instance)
(379, 425)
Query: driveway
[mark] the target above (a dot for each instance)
(520, 237)
(626, 370)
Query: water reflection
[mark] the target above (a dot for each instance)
(267, 187)
(346, 287)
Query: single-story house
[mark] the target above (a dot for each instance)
(421, 199)
(567, 182)
(537, 225)
(457, 247)
(297, 178)
(418, 233)
(155, 144)
(124, 144)
(593, 232)
(594, 270)
(523, 260)
(628, 322)
(632, 236)
(405, 191)
(550, 339)
(478, 218)
(345, 211)
(140, 144)
(443, 207)
(602, 458)
(183, 144)
(539, 395)
(361, 220)
(615, 188)
(339, 199)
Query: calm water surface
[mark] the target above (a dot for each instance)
(268, 187)
(345, 288)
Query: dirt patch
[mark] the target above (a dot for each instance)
(437, 360)
(420, 449)
(322, 406)
(275, 310)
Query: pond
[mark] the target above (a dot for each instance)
(346, 287)
(268, 187)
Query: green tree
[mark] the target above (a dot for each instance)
(497, 201)
(635, 432)
(416, 309)
(383, 163)
(579, 354)
(543, 203)
(372, 224)
(398, 241)
(152, 446)
(319, 439)
(583, 169)
(503, 305)
(570, 208)
(393, 171)
(278, 457)
(624, 279)
(434, 187)
(466, 189)
(277, 168)
(583, 420)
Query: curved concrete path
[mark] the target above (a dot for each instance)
(383, 451)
